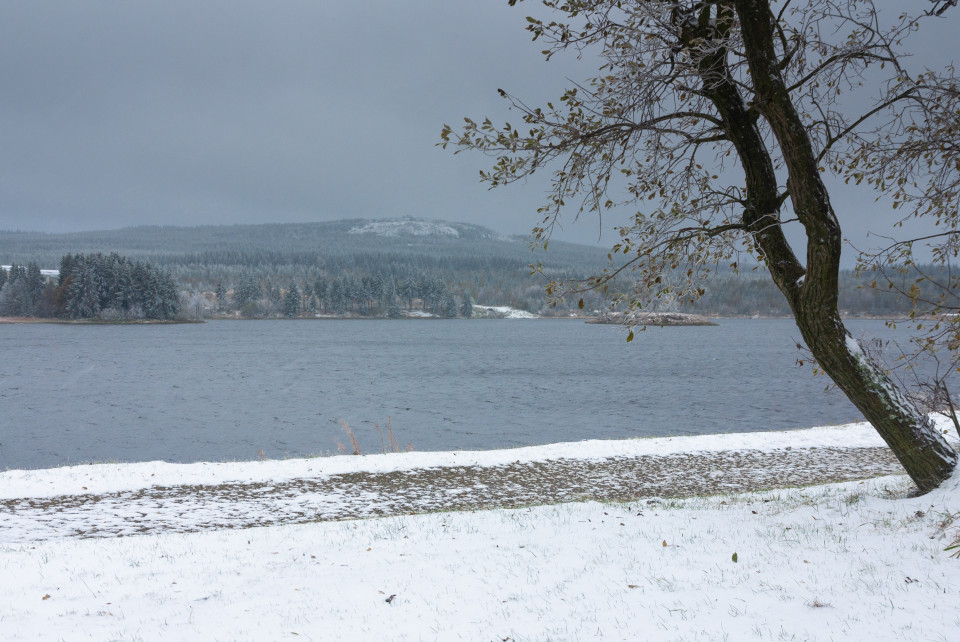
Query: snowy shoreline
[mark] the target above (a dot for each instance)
(111, 477)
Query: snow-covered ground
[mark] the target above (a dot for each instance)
(481, 312)
(847, 561)
(502, 312)
(418, 314)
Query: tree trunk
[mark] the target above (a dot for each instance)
(911, 435)
(811, 291)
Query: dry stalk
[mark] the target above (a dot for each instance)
(354, 444)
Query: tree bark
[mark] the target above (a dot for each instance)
(911, 435)
(811, 291)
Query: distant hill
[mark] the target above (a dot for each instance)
(298, 243)
(492, 267)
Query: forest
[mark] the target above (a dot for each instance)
(386, 268)
(94, 286)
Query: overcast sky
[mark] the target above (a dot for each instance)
(186, 112)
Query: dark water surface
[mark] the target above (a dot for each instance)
(227, 390)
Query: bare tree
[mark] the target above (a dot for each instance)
(716, 120)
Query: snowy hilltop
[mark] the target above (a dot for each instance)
(414, 227)
(405, 228)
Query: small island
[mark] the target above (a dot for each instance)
(651, 318)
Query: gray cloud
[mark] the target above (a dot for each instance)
(236, 111)
(120, 113)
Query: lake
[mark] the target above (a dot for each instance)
(239, 390)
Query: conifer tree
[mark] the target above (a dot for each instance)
(320, 290)
(466, 308)
(221, 296)
(449, 306)
(291, 301)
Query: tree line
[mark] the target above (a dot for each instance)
(89, 286)
(384, 289)
(365, 295)
(479, 264)
(24, 292)
(492, 268)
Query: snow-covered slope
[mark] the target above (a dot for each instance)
(412, 227)
(405, 228)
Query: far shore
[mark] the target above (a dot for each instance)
(9, 320)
